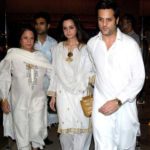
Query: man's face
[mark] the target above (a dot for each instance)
(41, 26)
(125, 25)
(107, 22)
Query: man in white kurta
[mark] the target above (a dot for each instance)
(22, 76)
(119, 74)
(119, 78)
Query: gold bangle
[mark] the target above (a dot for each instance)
(51, 93)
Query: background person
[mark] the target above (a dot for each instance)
(45, 43)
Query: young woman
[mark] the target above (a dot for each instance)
(72, 71)
(24, 100)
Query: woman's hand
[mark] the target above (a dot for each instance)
(52, 103)
(5, 106)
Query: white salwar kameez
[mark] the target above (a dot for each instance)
(70, 84)
(21, 82)
(119, 74)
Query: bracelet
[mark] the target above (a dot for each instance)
(51, 93)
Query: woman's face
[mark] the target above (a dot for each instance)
(69, 29)
(27, 40)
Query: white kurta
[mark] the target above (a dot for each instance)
(70, 84)
(119, 74)
(21, 76)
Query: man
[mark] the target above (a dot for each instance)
(119, 78)
(127, 26)
(45, 43)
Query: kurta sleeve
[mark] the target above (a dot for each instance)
(52, 86)
(5, 78)
(91, 69)
(136, 82)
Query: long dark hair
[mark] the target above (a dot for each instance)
(82, 36)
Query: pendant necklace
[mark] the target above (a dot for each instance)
(69, 56)
(70, 51)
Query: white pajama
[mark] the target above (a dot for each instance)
(80, 141)
(30, 130)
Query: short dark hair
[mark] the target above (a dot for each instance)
(108, 4)
(130, 18)
(82, 36)
(44, 15)
(23, 29)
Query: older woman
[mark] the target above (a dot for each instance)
(22, 72)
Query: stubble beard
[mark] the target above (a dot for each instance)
(41, 32)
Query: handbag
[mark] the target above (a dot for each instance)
(87, 102)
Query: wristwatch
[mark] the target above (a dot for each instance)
(119, 102)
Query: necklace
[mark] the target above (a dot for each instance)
(70, 55)
(70, 48)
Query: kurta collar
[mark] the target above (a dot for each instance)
(38, 41)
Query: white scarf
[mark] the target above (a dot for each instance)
(28, 57)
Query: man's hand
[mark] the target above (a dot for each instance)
(52, 103)
(5, 106)
(109, 107)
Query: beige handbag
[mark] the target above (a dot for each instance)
(87, 102)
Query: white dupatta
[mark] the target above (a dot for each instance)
(28, 57)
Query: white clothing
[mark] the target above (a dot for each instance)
(119, 74)
(70, 82)
(46, 49)
(80, 141)
(22, 76)
(52, 119)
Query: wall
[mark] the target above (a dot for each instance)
(22, 11)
